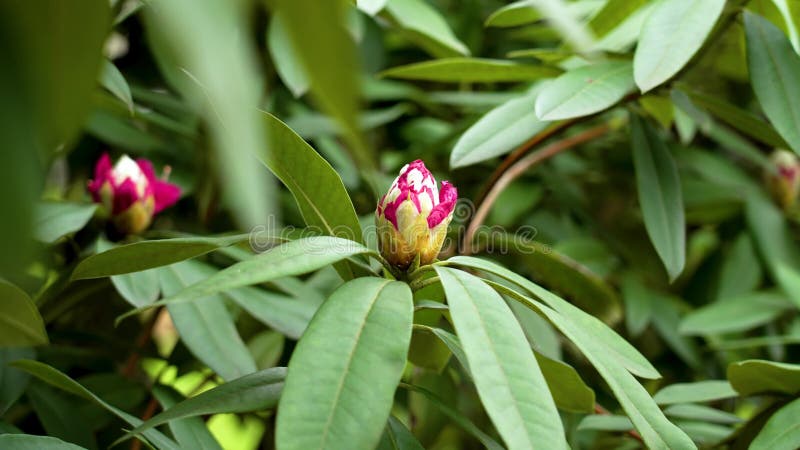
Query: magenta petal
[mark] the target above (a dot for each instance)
(102, 173)
(165, 194)
(124, 196)
(448, 196)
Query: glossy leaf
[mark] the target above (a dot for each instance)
(498, 132)
(257, 391)
(60, 380)
(756, 376)
(774, 68)
(671, 35)
(521, 409)
(144, 255)
(316, 187)
(55, 219)
(781, 431)
(205, 326)
(470, 70)
(344, 371)
(585, 91)
(700, 391)
(660, 196)
(425, 25)
(22, 324)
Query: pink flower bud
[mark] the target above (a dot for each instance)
(783, 181)
(412, 218)
(130, 192)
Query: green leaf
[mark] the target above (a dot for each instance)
(775, 243)
(397, 437)
(756, 376)
(455, 416)
(739, 313)
(289, 315)
(67, 384)
(781, 431)
(111, 79)
(660, 196)
(638, 305)
(613, 14)
(284, 57)
(585, 91)
(22, 324)
(522, 409)
(470, 70)
(623, 352)
(741, 271)
(671, 35)
(189, 432)
(515, 14)
(605, 423)
(700, 391)
(257, 391)
(328, 56)
(425, 25)
(55, 219)
(498, 132)
(569, 391)
(31, 442)
(316, 187)
(266, 348)
(774, 70)
(12, 381)
(56, 412)
(149, 254)
(205, 325)
(581, 285)
(743, 121)
(138, 288)
(344, 371)
(293, 258)
(701, 413)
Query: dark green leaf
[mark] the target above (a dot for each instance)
(397, 437)
(345, 369)
(774, 71)
(12, 381)
(660, 196)
(113, 80)
(190, 432)
(31, 442)
(22, 324)
(56, 412)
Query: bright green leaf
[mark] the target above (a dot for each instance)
(113, 80)
(781, 431)
(425, 25)
(585, 90)
(700, 391)
(764, 377)
(470, 70)
(55, 219)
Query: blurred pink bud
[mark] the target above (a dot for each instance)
(783, 181)
(130, 192)
(412, 218)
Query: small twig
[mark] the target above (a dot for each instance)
(144, 337)
(516, 170)
(599, 409)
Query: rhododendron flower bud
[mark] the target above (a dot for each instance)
(130, 193)
(783, 181)
(412, 218)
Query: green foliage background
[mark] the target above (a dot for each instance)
(651, 301)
